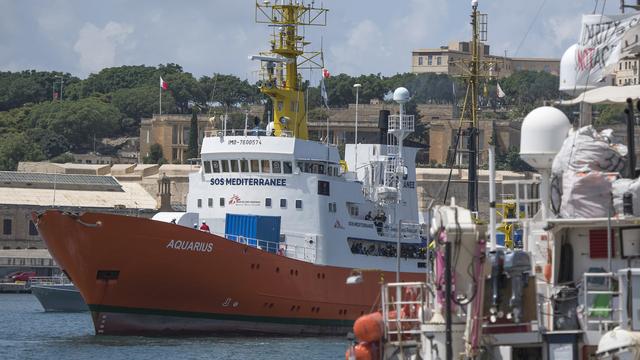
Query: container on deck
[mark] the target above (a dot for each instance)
(258, 231)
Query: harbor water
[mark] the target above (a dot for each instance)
(27, 332)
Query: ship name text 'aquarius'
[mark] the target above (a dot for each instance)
(190, 245)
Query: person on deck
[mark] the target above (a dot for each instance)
(204, 227)
(368, 216)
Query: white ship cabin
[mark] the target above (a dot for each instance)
(325, 208)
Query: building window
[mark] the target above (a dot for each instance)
(283, 203)
(174, 134)
(174, 154)
(298, 204)
(244, 165)
(430, 60)
(234, 165)
(221, 202)
(255, 166)
(438, 60)
(148, 136)
(266, 166)
(33, 231)
(420, 61)
(287, 167)
(267, 202)
(207, 167)
(225, 165)
(276, 167)
(332, 207)
(6, 227)
(323, 188)
(199, 203)
(215, 166)
(210, 202)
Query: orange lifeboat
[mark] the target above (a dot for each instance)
(368, 327)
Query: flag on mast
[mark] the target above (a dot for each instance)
(501, 93)
(323, 89)
(163, 84)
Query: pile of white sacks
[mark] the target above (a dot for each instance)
(586, 175)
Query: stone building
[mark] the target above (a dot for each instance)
(449, 58)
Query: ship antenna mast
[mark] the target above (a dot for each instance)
(279, 75)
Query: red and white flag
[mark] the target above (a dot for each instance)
(163, 84)
(325, 73)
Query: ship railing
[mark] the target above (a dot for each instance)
(49, 280)
(600, 312)
(407, 123)
(525, 196)
(244, 132)
(299, 252)
(410, 300)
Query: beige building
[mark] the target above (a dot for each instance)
(450, 60)
(627, 72)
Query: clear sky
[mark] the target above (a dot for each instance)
(215, 36)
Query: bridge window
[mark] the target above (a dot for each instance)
(221, 202)
(255, 166)
(276, 167)
(244, 165)
(266, 166)
(234, 165)
(210, 202)
(385, 248)
(199, 203)
(207, 167)
(323, 188)
(225, 166)
(215, 166)
(283, 203)
(267, 202)
(298, 204)
(287, 167)
(333, 207)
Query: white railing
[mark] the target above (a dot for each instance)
(597, 291)
(50, 280)
(406, 124)
(299, 252)
(409, 299)
(244, 132)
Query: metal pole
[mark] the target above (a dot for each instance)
(492, 196)
(398, 249)
(447, 289)
(357, 86)
(631, 139)
(609, 261)
(472, 131)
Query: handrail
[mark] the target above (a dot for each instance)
(407, 299)
(244, 132)
(304, 253)
(603, 317)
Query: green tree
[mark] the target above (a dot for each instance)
(228, 90)
(609, 114)
(184, 88)
(31, 86)
(80, 122)
(15, 148)
(526, 90)
(192, 151)
(139, 102)
(121, 77)
(155, 155)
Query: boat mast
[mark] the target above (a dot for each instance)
(472, 131)
(280, 78)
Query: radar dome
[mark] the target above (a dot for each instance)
(401, 95)
(541, 136)
(573, 82)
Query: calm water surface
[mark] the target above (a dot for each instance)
(27, 332)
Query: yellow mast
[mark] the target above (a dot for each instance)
(280, 80)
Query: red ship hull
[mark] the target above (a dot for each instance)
(144, 277)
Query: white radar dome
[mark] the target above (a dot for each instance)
(401, 95)
(541, 136)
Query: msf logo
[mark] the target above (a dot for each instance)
(234, 199)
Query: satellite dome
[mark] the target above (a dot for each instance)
(542, 133)
(401, 95)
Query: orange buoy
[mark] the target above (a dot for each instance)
(368, 327)
(362, 351)
(547, 272)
